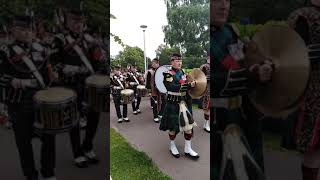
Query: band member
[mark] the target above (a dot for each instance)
(77, 57)
(118, 83)
(21, 82)
(134, 78)
(231, 107)
(305, 132)
(151, 86)
(177, 115)
(206, 98)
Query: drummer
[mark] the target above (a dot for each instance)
(151, 86)
(117, 84)
(22, 84)
(134, 78)
(75, 67)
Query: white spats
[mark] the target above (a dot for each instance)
(173, 149)
(188, 150)
(206, 126)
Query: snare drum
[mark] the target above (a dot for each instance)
(55, 110)
(142, 91)
(127, 96)
(97, 87)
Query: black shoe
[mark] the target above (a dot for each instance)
(33, 177)
(92, 158)
(192, 157)
(81, 162)
(175, 155)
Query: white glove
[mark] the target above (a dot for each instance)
(83, 70)
(236, 50)
(24, 83)
(70, 70)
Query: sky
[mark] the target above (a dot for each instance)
(130, 15)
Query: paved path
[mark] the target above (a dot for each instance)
(10, 165)
(144, 135)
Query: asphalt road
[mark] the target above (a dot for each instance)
(144, 135)
(65, 170)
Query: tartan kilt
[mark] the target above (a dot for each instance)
(170, 118)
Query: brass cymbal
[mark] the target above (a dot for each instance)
(201, 83)
(286, 49)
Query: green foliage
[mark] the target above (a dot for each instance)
(251, 29)
(188, 27)
(263, 10)
(164, 52)
(130, 55)
(128, 163)
(96, 12)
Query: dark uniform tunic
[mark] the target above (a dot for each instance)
(230, 103)
(66, 55)
(172, 120)
(20, 105)
(116, 90)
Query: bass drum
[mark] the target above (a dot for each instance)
(159, 78)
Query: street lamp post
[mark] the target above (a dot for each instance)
(144, 27)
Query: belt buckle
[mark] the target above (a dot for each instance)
(234, 102)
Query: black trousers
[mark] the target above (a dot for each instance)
(135, 106)
(117, 104)
(91, 129)
(154, 106)
(23, 119)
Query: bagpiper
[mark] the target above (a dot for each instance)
(304, 132)
(206, 97)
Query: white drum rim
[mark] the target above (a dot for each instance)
(159, 78)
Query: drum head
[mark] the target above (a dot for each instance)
(141, 87)
(159, 77)
(54, 95)
(127, 91)
(98, 80)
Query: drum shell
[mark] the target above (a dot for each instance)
(98, 98)
(127, 98)
(142, 91)
(54, 118)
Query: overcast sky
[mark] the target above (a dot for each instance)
(130, 14)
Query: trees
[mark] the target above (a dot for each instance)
(188, 28)
(129, 56)
(96, 12)
(263, 10)
(164, 52)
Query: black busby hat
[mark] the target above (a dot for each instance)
(175, 56)
(22, 21)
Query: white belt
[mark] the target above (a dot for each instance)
(177, 93)
(228, 103)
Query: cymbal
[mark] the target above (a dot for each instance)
(201, 83)
(286, 49)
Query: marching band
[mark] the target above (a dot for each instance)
(48, 78)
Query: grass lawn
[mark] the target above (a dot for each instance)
(129, 164)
